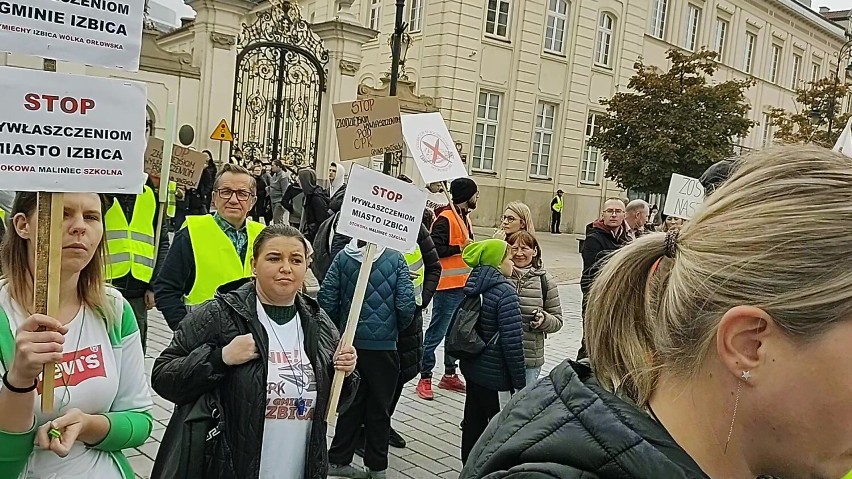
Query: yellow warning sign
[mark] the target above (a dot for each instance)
(222, 132)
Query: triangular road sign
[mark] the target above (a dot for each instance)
(222, 132)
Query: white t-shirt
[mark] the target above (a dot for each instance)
(93, 371)
(290, 382)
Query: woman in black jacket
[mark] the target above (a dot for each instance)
(316, 203)
(264, 355)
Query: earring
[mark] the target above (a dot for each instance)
(746, 375)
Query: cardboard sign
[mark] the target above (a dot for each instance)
(106, 33)
(432, 147)
(68, 133)
(369, 127)
(222, 132)
(844, 142)
(381, 209)
(186, 167)
(684, 197)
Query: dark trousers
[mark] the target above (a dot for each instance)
(480, 405)
(141, 313)
(555, 221)
(371, 408)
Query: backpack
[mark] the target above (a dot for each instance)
(464, 341)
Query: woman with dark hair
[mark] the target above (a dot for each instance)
(316, 203)
(261, 355)
(102, 398)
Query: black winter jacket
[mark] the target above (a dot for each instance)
(192, 365)
(598, 245)
(566, 426)
(315, 212)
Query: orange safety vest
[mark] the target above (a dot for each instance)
(454, 271)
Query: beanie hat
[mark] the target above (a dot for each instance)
(488, 252)
(717, 174)
(463, 189)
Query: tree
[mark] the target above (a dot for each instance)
(671, 122)
(809, 123)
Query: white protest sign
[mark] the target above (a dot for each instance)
(105, 33)
(67, 133)
(684, 197)
(381, 209)
(844, 142)
(432, 147)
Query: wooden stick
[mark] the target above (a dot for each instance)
(455, 212)
(165, 173)
(351, 326)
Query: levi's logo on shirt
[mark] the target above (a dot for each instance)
(78, 366)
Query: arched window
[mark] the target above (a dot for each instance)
(603, 45)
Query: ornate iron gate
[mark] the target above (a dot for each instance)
(280, 79)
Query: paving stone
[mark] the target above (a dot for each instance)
(426, 450)
(426, 463)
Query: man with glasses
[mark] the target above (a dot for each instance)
(607, 234)
(211, 250)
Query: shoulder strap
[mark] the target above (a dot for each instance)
(543, 290)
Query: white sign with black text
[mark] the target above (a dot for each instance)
(68, 133)
(381, 209)
(684, 197)
(432, 147)
(106, 33)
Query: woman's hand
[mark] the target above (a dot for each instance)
(240, 350)
(538, 319)
(345, 359)
(69, 427)
(38, 341)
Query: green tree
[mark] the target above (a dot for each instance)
(671, 122)
(809, 123)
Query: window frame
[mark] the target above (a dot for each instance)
(375, 7)
(659, 15)
(540, 131)
(796, 71)
(775, 62)
(693, 26)
(816, 71)
(609, 33)
(720, 41)
(496, 22)
(750, 48)
(766, 135)
(485, 121)
(588, 151)
(415, 15)
(550, 42)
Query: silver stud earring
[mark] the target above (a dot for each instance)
(746, 375)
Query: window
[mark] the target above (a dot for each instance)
(766, 131)
(815, 72)
(658, 18)
(415, 15)
(603, 48)
(487, 120)
(797, 68)
(751, 41)
(776, 60)
(693, 21)
(591, 155)
(375, 14)
(542, 139)
(721, 37)
(557, 19)
(497, 18)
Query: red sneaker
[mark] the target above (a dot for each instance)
(424, 389)
(452, 382)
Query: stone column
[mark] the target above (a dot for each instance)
(343, 38)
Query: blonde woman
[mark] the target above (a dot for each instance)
(716, 352)
(517, 217)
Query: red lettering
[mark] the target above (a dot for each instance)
(383, 192)
(32, 103)
(78, 366)
(69, 105)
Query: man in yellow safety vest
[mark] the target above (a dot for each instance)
(556, 205)
(210, 250)
(132, 263)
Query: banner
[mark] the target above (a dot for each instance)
(367, 127)
(432, 147)
(68, 133)
(381, 209)
(185, 168)
(684, 197)
(844, 143)
(106, 33)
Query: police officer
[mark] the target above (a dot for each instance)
(210, 250)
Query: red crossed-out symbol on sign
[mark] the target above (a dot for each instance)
(436, 151)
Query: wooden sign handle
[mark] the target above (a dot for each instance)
(455, 212)
(349, 333)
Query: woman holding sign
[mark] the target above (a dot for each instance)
(102, 398)
(262, 355)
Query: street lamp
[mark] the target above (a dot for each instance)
(396, 53)
(403, 54)
(845, 50)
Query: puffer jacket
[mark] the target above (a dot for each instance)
(192, 365)
(500, 366)
(567, 426)
(537, 290)
(388, 303)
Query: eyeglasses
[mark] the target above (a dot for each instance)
(227, 193)
(509, 219)
(614, 212)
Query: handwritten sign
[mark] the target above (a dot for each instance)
(367, 128)
(186, 167)
(381, 209)
(435, 153)
(684, 197)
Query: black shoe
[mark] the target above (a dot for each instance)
(395, 440)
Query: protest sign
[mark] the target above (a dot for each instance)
(844, 142)
(368, 127)
(381, 209)
(105, 33)
(186, 166)
(684, 197)
(67, 133)
(432, 147)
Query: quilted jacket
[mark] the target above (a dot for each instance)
(388, 303)
(192, 365)
(500, 367)
(537, 290)
(566, 426)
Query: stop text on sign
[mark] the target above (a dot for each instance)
(69, 105)
(387, 193)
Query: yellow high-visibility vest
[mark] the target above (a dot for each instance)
(415, 265)
(171, 205)
(2, 214)
(130, 245)
(560, 202)
(216, 260)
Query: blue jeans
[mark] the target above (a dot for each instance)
(532, 375)
(444, 305)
